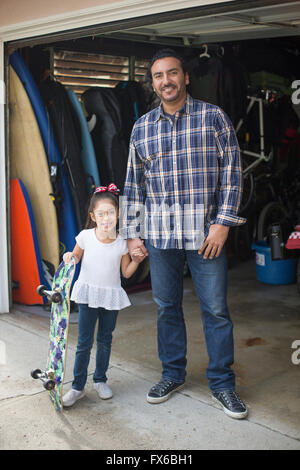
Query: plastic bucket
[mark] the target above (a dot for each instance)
(273, 272)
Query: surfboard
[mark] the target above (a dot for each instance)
(67, 132)
(109, 144)
(27, 271)
(68, 228)
(28, 161)
(87, 153)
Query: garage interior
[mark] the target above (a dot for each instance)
(265, 43)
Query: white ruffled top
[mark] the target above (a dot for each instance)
(99, 280)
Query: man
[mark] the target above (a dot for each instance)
(182, 191)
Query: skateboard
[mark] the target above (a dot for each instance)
(53, 376)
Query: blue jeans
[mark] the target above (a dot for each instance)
(86, 328)
(210, 281)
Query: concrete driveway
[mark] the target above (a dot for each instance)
(266, 319)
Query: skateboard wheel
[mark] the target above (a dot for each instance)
(49, 384)
(40, 290)
(56, 297)
(35, 373)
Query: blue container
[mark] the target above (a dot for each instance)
(273, 272)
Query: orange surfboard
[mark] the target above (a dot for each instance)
(27, 272)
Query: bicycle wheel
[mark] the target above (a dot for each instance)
(243, 236)
(248, 188)
(248, 191)
(273, 212)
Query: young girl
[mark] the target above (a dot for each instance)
(98, 290)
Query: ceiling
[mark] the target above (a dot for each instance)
(277, 20)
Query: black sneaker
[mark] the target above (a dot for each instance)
(231, 403)
(162, 390)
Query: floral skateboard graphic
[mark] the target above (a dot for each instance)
(53, 376)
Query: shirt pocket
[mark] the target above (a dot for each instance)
(151, 155)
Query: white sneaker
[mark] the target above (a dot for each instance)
(72, 396)
(104, 391)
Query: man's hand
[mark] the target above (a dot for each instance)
(214, 241)
(136, 245)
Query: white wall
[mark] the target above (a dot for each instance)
(28, 12)
(17, 11)
(4, 293)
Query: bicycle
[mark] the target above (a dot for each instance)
(284, 209)
(262, 199)
(263, 155)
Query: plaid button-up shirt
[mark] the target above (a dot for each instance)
(183, 175)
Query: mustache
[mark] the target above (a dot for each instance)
(168, 86)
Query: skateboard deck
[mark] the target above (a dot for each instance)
(53, 376)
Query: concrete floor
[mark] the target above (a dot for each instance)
(267, 321)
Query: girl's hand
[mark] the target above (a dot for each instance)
(67, 257)
(137, 255)
(76, 254)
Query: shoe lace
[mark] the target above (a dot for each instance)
(162, 385)
(231, 397)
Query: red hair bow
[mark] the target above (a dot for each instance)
(112, 188)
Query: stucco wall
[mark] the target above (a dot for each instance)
(13, 12)
(17, 11)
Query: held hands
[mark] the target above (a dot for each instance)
(214, 241)
(137, 255)
(137, 250)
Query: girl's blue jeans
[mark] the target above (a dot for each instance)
(86, 329)
(210, 281)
